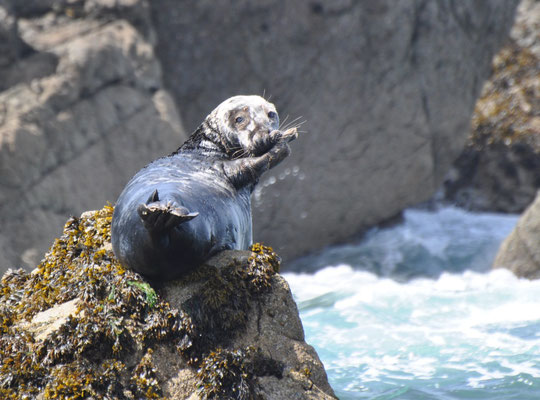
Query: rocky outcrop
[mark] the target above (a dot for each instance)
(520, 251)
(498, 170)
(82, 108)
(81, 326)
(387, 89)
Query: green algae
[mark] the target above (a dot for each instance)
(149, 292)
(104, 349)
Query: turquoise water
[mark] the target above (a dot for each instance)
(413, 312)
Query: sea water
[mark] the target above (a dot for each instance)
(414, 312)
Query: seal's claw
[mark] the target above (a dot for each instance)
(290, 134)
(158, 216)
(153, 197)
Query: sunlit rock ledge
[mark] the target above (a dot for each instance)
(82, 326)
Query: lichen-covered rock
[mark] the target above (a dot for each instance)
(387, 89)
(498, 170)
(80, 113)
(520, 251)
(81, 326)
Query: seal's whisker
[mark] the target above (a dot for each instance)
(283, 122)
(264, 95)
(293, 122)
(299, 124)
(287, 125)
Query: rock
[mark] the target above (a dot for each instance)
(9, 39)
(51, 320)
(498, 170)
(387, 89)
(81, 326)
(18, 61)
(527, 25)
(81, 115)
(495, 177)
(83, 105)
(520, 251)
(276, 330)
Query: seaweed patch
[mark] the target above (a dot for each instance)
(507, 110)
(228, 374)
(103, 349)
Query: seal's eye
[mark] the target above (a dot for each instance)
(239, 120)
(272, 115)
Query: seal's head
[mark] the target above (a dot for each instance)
(247, 125)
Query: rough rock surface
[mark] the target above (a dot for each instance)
(520, 251)
(387, 89)
(498, 170)
(82, 108)
(274, 327)
(81, 326)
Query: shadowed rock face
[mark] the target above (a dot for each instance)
(387, 89)
(81, 110)
(498, 170)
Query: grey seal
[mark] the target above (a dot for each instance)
(180, 210)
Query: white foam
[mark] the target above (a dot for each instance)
(468, 328)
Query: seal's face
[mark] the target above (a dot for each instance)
(246, 124)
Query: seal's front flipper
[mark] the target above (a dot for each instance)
(158, 216)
